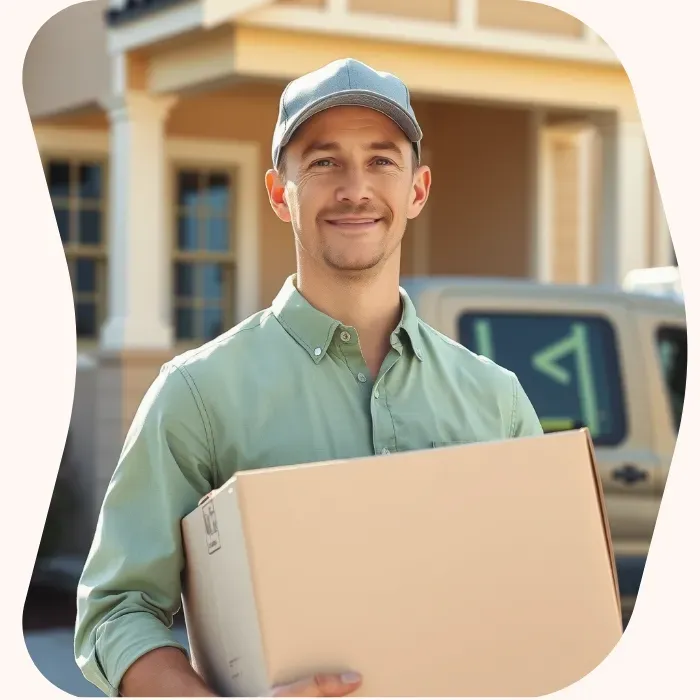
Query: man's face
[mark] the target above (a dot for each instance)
(348, 188)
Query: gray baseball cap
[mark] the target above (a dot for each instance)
(345, 82)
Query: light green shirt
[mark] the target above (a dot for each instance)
(287, 386)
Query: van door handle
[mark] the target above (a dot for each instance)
(629, 474)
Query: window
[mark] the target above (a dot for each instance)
(568, 366)
(204, 259)
(77, 191)
(673, 354)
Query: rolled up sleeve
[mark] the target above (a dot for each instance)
(524, 419)
(130, 587)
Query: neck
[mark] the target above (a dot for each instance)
(370, 303)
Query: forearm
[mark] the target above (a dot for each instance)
(164, 673)
(130, 588)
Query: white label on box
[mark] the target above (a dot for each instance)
(211, 527)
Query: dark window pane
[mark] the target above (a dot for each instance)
(90, 227)
(218, 193)
(86, 275)
(184, 323)
(212, 278)
(217, 234)
(90, 178)
(187, 188)
(86, 319)
(184, 280)
(673, 355)
(213, 322)
(58, 177)
(63, 221)
(187, 233)
(568, 366)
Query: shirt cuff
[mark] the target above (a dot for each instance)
(122, 641)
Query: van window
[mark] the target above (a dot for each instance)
(672, 343)
(567, 364)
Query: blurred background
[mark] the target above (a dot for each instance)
(153, 120)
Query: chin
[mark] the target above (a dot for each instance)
(353, 265)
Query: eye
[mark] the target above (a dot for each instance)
(322, 163)
(383, 161)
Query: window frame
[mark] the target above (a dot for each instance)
(613, 364)
(244, 156)
(89, 146)
(201, 256)
(241, 158)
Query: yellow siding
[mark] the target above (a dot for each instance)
(527, 17)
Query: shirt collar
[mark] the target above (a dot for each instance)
(314, 330)
(409, 323)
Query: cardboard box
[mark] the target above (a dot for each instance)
(477, 570)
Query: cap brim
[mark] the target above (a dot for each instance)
(358, 98)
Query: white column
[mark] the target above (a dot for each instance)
(538, 198)
(337, 7)
(663, 245)
(138, 313)
(466, 14)
(625, 206)
(546, 199)
(585, 201)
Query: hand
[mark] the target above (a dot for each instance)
(322, 685)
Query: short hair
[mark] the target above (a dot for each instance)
(281, 167)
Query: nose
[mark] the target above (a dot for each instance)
(354, 187)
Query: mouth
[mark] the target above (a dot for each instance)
(353, 224)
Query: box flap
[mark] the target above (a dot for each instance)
(603, 515)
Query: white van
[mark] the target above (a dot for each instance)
(614, 361)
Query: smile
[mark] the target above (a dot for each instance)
(352, 224)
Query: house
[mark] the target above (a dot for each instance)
(154, 118)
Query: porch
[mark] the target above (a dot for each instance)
(540, 170)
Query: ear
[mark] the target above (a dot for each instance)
(422, 180)
(276, 192)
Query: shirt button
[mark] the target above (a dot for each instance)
(376, 393)
(362, 377)
(386, 451)
(345, 336)
(317, 351)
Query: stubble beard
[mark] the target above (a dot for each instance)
(349, 264)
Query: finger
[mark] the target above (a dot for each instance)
(322, 685)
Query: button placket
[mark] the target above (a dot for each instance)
(384, 434)
(351, 352)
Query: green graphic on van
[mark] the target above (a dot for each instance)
(566, 364)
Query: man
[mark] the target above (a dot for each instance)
(338, 367)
